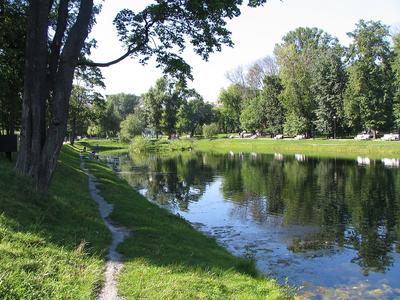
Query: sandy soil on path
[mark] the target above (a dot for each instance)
(114, 263)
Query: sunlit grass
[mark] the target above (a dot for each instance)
(51, 247)
(340, 148)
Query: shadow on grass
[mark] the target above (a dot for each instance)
(60, 234)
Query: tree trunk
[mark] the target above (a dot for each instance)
(73, 131)
(40, 147)
(33, 106)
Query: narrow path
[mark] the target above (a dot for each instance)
(114, 263)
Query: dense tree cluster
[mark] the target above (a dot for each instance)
(318, 87)
(170, 108)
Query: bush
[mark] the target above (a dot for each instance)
(130, 127)
(140, 144)
(210, 130)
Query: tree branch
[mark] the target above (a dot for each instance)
(130, 50)
(107, 64)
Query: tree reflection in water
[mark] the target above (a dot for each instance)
(353, 206)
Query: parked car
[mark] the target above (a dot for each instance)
(390, 137)
(300, 137)
(278, 137)
(362, 136)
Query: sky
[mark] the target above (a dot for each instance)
(255, 33)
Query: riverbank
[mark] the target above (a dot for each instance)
(312, 147)
(340, 148)
(54, 246)
(166, 258)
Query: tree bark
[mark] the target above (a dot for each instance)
(33, 107)
(40, 147)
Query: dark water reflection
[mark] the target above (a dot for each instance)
(330, 225)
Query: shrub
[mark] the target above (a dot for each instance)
(140, 144)
(130, 127)
(210, 130)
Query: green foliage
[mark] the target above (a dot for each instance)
(210, 130)
(193, 114)
(115, 110)
(329, 83)
(252, 117)
(124, 104)
(396, 69)
(295, 124)
(369, 95)
(231, 100)
(81, 112)
(265, 112)
(172, 24)
(12, 52)
(132, 126)
(296, 58)
(140, 144)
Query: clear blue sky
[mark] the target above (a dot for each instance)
(254, 33)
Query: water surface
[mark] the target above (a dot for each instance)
(331, 226)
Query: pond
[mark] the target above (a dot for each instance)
(329, 226)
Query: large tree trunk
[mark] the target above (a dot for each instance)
(39, 148)
(33, 106)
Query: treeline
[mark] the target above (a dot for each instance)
(168, 108)
(312, 85)
(315, 86)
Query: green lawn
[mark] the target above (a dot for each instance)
(51, 247)
(341, 148)
(314, 147)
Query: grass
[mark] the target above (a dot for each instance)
(340, 148)
(167, 259)
(314, 147)
(51, 247)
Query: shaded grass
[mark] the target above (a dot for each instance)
(51, 247)
(167, 259)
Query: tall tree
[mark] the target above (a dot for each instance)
(328, 86)
(368, 98)
(265, 112)
(81, 112)
(396, 69)
(231, 100)
(157, 31)
(153, 100)
(50, 62)
(124, 104)
(193, 114)
(296, 58)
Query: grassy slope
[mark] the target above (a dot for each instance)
(51, 247)
(167, 259)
